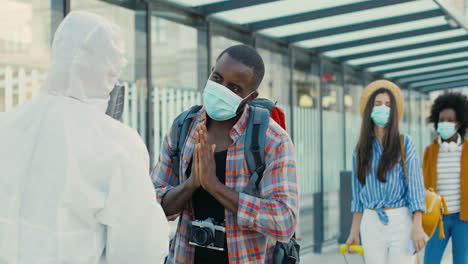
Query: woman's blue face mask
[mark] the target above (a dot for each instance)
(381, 115)
(446, 129)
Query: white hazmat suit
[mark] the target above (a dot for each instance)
(74, 183)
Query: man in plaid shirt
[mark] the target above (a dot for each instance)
(214, 172)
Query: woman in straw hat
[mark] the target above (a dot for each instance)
(387, 208)
(445, 168)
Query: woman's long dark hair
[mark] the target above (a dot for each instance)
(391, 143)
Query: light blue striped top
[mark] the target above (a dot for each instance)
(395, 192)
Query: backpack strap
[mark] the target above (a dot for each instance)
(254, 147)
(179, 132)
(262, 102)
(403, 156)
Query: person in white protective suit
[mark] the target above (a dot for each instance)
(74, 183)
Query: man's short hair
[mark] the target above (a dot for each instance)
(249, 57)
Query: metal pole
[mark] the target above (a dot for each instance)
(292, 92)
(409, 110)
(209, 42)
(318, 197)
(66, 7)
(343, 106)
(149, 84)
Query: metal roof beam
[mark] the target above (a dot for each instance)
(412, 67)
(436, 81)
(444, 86)
(389, 37)
(364, 25)
(437, 78)
(439, 74)
(407, 76)
(230, 5)
(403, 48)
(415, 57)
(316, 14)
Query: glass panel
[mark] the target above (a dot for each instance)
(405, 122)
(134, 75)
(174, 73)
(219, 44)
(352, 94)
(426, 69)
(27, 29)
(278, 9)
(307, 141)
(420, 61)
(396, 43)
(275, 84)
(416, 118)
(407, 53)
(351, 18)
(334, 149)
(174, 50)
(428, 129)
(373, 32)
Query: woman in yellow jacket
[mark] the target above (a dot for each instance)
(445, 169)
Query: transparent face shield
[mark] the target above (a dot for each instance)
(115, 107)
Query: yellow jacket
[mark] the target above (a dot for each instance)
(431, 156)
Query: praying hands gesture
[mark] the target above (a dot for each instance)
(204, 172)
(204, 165)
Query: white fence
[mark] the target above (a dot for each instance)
(168, 103)
(18, 85)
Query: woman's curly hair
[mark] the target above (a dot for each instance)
(456, 101)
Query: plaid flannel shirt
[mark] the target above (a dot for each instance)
(260, 221)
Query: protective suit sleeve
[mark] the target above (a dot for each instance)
(137, 229)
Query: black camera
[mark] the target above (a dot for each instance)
(208, 234)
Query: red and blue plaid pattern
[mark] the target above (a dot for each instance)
(261, 221)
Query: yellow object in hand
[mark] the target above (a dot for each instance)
(356, 248)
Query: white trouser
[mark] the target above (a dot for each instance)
(387, 244)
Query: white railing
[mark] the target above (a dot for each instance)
(168, 103)
(18, 85)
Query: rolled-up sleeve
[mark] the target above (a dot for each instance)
(356, 203)
(416, 190)
(274, 213)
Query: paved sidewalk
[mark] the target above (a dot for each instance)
(333, 257)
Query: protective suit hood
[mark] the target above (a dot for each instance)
(87, 59)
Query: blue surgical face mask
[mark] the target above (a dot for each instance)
(220, 102)
(381, 115)
(446, 129)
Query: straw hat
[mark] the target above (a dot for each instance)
(393, 88)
